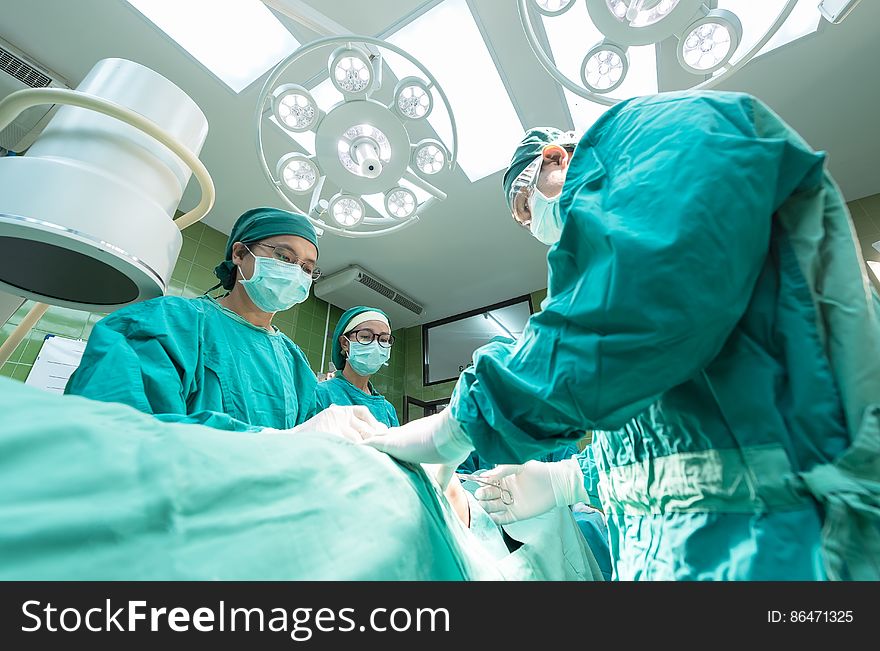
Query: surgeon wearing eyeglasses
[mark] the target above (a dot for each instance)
(220, 362)
(362, 344)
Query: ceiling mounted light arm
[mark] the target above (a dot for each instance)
(547, 63)
(14, 104)
(422, 184)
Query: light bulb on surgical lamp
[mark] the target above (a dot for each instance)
(350, 71)
(299, 173)
(295, 108)
(429, 156)
(604, 68)
(709, 43)
(401, 203)
(412, 98)
(346, 210)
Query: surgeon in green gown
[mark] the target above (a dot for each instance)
(710, 319)
(362, 344)
(221, 362)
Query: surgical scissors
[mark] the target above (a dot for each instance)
(506, 495)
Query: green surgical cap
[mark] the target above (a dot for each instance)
(342, 326)
(530, 148)
(257, 224)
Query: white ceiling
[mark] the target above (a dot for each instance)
(466, 252)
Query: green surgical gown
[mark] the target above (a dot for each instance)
(194, 361)
(709, 317)
(339, 391)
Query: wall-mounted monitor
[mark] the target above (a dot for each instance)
(449, 344)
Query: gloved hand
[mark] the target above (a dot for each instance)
(354, 423)
(536, 487)
(433, 439)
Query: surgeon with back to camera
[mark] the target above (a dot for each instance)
(710, 319)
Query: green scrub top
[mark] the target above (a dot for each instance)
(339, 391)
(708, 316)
(194, 361)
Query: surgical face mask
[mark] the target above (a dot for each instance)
(546, 224)
(366, 359)
(276, 286)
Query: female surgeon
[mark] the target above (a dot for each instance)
(362, 344)
(221, 362)
(709, 317)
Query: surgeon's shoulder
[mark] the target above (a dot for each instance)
(157, 314)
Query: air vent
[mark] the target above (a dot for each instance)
(412, 306)
(355, 286)
(24, 72)
(376, 286)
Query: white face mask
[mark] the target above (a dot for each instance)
(275, 286)
(546, 223)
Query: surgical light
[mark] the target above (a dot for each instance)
(429, 156)
(400, 203)
(346, 210)
(350, 70)
(709, 42)
(604, 68)
(412, 98)
(358, 148)
(87, 214)
(295, 108)
(298, 172)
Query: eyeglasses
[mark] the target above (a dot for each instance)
(368, 336)
(285, 254)
(522, 188)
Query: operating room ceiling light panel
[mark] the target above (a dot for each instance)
(447, 40)
(604, 51)
(236, 40)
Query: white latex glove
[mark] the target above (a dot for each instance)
(535, 487)
(433, 439)
(354, 423)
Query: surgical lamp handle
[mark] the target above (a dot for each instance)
(21, 100)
